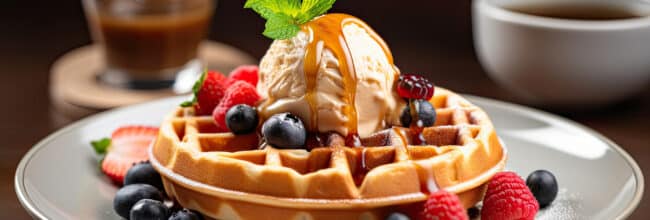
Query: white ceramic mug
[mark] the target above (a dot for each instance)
(563, 62)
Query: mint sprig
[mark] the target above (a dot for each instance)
(284, 17)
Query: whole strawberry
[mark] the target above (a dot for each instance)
(240, 92)
(208, 92)
(508, 198)
(443, 205)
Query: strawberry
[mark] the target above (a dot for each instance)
(239, 92)
(208, 92)
(247, 73)
(508, 198)
(443, 205)
(128, 145)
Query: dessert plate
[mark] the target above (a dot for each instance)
(59, 177)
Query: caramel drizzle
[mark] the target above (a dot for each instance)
(327, 32)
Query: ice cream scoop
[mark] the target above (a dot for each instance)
(337, 75)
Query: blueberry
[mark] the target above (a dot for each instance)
(473, 212)
(397, 216)
(543, 185)
(405, 117)
(128, 195)
(284, 131)
(242, 119)
(143, 173)
(424, 112)
(148, 209)
(186, 214)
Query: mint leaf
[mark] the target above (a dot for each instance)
(260, 7)
(289, 7)
(312, 8)
(267, 8)
(283, 17)
(195, 89)
(281, 26)
(101, 145)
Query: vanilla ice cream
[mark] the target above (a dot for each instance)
(329, 105)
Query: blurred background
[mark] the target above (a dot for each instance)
(427, 37)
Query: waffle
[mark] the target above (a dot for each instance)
(225, 176)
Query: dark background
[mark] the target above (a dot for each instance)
(430, 37)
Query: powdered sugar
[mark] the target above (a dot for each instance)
(565, 206)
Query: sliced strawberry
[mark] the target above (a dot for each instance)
(208, 92)
(128, 145)
(248, 73)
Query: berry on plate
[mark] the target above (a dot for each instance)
(247, 73)
(284, 131)
(543, 185)
(186, 214)
(208, 92)
(128, 145)
(412, 86)
(143, 173)
(242, 119)
(443, 205)
(148, 209)
(508, 198)
(127, 196)
(238, 93)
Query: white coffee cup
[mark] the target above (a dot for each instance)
(564, 62)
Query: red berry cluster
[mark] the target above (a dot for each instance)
(507, 198)
(412, 86)
(215, 93)
(419, 113)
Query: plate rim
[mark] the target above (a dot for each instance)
(28, 204)
(638, 173)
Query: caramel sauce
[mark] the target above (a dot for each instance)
(353, 140)
(327, 32)
(362, 169)
(415, 129)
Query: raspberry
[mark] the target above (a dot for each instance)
(443, 205)
(412, 86)
(508, 198)
(239, 92)
(244, 73)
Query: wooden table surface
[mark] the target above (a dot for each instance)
(432, 37)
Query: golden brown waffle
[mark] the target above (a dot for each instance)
(229, 177)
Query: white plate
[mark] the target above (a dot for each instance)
(59, 177)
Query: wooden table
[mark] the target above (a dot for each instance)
(432, 37)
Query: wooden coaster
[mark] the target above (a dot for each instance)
(76, 92)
